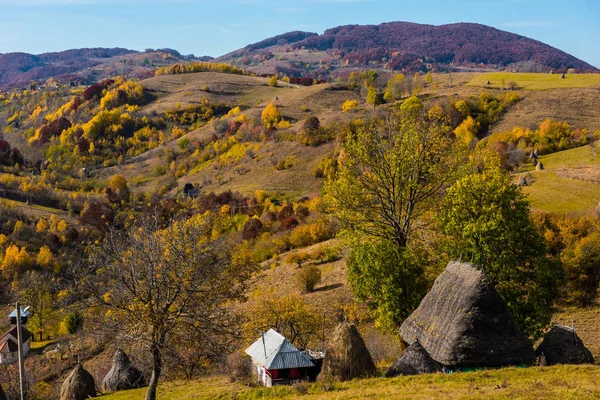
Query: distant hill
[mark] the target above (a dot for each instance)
(84, 65)
(408, 46)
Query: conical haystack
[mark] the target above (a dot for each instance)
(414, 361)
(464, 322)
(346, 355)
(123, 375)
(79, 385)
(561, 345)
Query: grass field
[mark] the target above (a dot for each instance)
(568, 183)
(531, 81)
(558, 382)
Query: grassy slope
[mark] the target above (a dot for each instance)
(533, 81)
(243, 173)
(559, 382)
(570, 182)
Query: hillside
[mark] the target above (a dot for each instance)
(403, 46)
(83, 66)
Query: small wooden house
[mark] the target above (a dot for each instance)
(8, 341)
(275, 361)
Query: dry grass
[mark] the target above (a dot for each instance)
(558, 382)
(578, 107)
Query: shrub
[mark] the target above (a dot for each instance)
(349, 105)
(308, 278)
(286, 211)
(239, 367)
(286, 163)
(252, 229)
(301, 387)
(302, 212)
(74, 322)
(289, 223)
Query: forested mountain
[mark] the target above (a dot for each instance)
(410, 46)
(84, 65)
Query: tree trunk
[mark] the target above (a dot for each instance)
(156, 371)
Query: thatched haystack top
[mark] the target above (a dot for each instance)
(562, 345)
(79, 385)
(414, 361)
(464, 322)
(122, 375)
(346, 355)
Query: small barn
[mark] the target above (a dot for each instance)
(275, 361)
(8, 341)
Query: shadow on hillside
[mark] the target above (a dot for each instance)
(328, 287)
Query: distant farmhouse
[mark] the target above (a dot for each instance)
(8, 341)
(275, 361)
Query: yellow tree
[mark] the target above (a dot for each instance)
(467, 130)
(270, 115)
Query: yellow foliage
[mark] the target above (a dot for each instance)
(42, 226)
(349, 105)
(16, 259)
(19, 225)
(44, 257)
(62, 226)
(283, 124)
(467, 130)
(270, 115)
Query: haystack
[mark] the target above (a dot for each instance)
(562, 345)
(79, 385)
(539, 166)
(346, 355)
(464, 322)
(414, 361)
(123, 375)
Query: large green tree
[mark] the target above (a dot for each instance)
(392, 174)
(390, 182)
(388, 278)
(486, 219)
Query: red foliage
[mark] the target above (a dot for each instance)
(53, 128)
(289, 223)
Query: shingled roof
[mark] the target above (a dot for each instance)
(273, 351)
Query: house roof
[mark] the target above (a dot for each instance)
(273, 351)
(7, 338)
(9, 345)
(24, 313)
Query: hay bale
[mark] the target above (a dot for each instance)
(346, 355)
(562, 345)
(414, 361)
(79, 385)
(464, 322)
(539, 166)
(123, 375)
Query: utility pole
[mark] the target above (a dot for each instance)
(20, 352)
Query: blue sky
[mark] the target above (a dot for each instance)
(215, 27)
